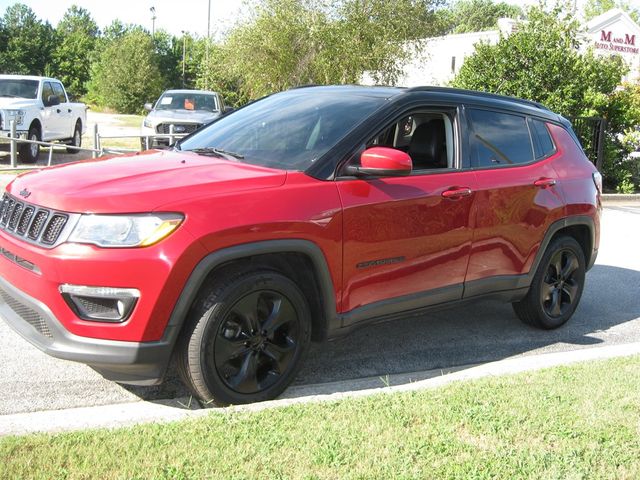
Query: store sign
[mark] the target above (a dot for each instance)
(622, 44)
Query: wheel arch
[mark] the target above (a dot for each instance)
(580, 227)
(292, 258)
(36, 123)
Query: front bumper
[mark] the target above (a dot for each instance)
(138, 363)
(6, 134)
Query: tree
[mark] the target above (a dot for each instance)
(593, 8)
(169, 51)
(26, 44)
(476, 15)
(77, 35)
(292, 42)
(541, 62)
(127, 73)
(215, 75)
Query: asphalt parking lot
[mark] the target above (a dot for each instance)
(609, 314)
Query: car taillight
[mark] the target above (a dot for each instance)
(597, 179)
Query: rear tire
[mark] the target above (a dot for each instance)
(556, 287)
(29, 152)
(76, 141)
(245, 339)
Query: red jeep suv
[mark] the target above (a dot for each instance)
(297, 218)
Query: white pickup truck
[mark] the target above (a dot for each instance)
(41, 110)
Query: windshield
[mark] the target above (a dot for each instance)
(18, 88)
(289, 131)
(187, 101)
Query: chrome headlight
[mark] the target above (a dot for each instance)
(125, 230)
(18, 116)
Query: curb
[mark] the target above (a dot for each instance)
(620, 197)
(128, 414)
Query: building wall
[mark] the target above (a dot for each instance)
(613, 32)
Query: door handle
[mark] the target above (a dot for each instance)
(545, 182)
(58, 110)
(456, 192)
(68, 110)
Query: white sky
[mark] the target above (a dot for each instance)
(173, 16)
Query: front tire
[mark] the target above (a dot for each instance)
(76, 140)
(245, 339)
(556, 287)
(30, 152)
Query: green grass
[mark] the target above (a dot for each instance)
(571, 423)
(129, 120)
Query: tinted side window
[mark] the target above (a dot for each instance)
(499, 139)
(542, 145)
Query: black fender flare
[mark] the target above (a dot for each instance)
(555, 227)
(219, 257)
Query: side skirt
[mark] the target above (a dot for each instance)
(506, 288)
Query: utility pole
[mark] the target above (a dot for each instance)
(184, 54)
(206, 56)
(153, 22)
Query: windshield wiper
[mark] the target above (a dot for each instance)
(216, 152)
(9, 95)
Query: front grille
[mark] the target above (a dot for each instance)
(25, 220)
(178, 128)
(29, 315)
(39, 225)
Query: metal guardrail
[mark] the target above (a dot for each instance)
(96, 152)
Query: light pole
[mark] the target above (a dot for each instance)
(206, 56)
(153, 21)
(184, 54)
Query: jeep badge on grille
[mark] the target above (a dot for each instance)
(25, 193)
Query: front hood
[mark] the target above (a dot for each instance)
(142, 182)
(15, 103)
(186, 116)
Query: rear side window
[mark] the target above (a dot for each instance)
(499, 139)
(542, 144)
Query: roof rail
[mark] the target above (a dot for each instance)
(305, 85)
(478, 93)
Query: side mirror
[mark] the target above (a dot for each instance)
(228, 110)
(53, 100)
(382, 162)
(148, 107)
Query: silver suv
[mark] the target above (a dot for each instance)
(185, 110)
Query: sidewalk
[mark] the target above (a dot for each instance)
(126, 414)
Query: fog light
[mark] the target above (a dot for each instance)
(100, 304)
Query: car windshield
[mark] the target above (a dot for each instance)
(289, 130)
(187, 101)
(18, 88)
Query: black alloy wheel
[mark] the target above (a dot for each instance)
(256, 341)
(245, 338)
(560, 285)
(556, 287)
